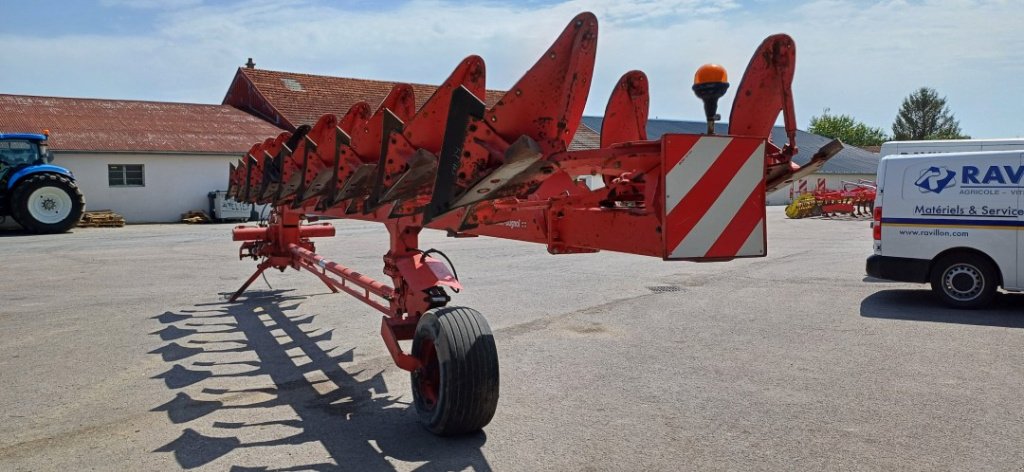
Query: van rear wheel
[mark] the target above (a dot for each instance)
(964, 280)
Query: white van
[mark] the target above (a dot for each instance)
(950, 145)
(951, 220)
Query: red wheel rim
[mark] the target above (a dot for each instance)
(429, 378)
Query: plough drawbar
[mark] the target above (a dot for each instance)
(505, 170)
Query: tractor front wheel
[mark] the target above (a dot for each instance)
(455, 389)
(47, 203)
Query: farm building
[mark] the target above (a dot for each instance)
(149, 161)
(288, 99)
(153, 161)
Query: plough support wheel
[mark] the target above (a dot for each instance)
(455, 389)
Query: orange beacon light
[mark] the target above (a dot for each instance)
(709, 84)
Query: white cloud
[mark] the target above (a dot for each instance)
(854, 57)
(151, 4)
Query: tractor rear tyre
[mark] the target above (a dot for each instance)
(456, 388)
(47, 203)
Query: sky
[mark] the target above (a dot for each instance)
(855, 57)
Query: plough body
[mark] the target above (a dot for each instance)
(506, 171)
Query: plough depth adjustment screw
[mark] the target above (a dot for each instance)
(710, 83)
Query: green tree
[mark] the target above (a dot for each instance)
(847, 129)
(925, 115)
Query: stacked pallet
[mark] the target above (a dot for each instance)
(101, 219)
(195, 217)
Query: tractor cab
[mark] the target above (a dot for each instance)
(20, 150)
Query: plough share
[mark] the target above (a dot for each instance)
(505, 171)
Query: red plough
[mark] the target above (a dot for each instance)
(506, 171)
(856, 198)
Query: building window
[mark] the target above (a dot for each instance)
(126, 175)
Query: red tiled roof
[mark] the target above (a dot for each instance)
(304, 98)
(291, 99)
(80, 124)
(585, 138)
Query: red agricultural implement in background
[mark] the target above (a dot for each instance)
(506, 171)
(855, 198)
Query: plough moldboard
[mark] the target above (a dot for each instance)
(505, 171)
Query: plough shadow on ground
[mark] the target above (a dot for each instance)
(921, 305)
(352, 415)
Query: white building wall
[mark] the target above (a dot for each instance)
(784, 195)
(174, 183)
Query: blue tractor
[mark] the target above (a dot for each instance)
(40, 196)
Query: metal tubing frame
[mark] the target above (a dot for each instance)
(252, 278)
(284, 242)
(322, 267)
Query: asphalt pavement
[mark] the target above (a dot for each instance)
(118, 351)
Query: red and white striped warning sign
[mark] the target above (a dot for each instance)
(802, 187)
(821, 183)
(714, 196)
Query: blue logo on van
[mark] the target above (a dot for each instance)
(993, 176)
(936, 179)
